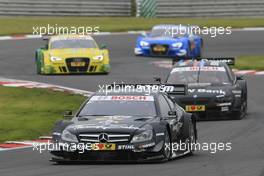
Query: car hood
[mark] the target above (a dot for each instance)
(126, 124)
(162, 40)
(71, 52)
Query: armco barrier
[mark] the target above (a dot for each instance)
(66, 7)
(209, 8)
(145, 8)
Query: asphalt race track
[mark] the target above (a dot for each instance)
(245, 159)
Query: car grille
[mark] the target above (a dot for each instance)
(198, 101)
(159, 52)
(109, 137)
(77, 69)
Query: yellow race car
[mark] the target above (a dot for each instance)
(72, 54)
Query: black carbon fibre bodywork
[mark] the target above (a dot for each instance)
(120, 130)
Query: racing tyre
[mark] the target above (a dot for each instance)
(201, 49)
(38, 62)
(166, 150)
(238, 115)
(188, 55)
(192, 139)
(189, 134)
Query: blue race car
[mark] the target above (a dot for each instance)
(176, 41)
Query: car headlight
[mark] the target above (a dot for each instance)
(99, 58)
(144, 44)
(68, 136)
(54, 59)
(177, 45)
(142, 137)
(182, 52)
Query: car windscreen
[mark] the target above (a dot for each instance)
(185, 75)
(72, 43)
(123, 105)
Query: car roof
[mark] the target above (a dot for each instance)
(199, 63)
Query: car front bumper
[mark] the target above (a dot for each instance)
(213, 109)
(180, 53)
(147, 151)
(106, 156)
(64, 69)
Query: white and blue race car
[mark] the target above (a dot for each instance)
(176, 41)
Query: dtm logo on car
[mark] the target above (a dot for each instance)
(209, 91)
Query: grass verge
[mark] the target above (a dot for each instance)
(250, 63)
(29, 113)
(24, 25)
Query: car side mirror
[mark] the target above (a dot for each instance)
(143, 34)
(103, 46)
(157, 79)
(172, 113)
(240, 77)
(46, 46)
(68, 114)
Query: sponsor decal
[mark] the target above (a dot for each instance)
(125, 147)
(209, 91)
(224, 104)
(122, 98)
(224, 108)
(195, 68)
(237, 92)
(103, 146)
(195, 108)
(229, 60)
(160, 134)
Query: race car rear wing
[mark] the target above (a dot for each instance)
(172, 89)
(227, 60)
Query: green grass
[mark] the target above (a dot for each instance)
(250, 63)
(24, 25)
(30, 113)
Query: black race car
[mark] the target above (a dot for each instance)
(214, 91)
(126, 126)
